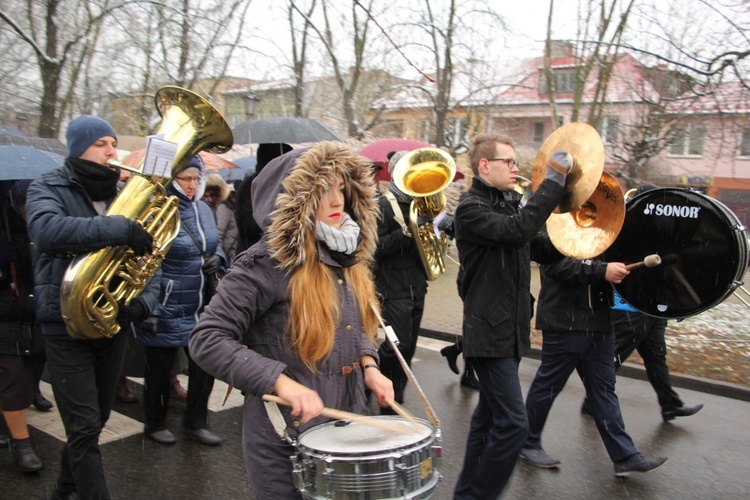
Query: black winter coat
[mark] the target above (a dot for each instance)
(496, 241)
(398, 269)
(575, 297)
(17, 314)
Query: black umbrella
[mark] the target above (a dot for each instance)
(25, 162)
(48, 145)
(281, 129)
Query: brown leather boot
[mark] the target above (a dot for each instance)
(177, 393)
(124, 393)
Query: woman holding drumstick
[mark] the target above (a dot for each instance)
(293, 316)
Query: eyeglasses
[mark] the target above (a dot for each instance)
(189, 180)
(509, 161)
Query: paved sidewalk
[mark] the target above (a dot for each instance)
(443, 315)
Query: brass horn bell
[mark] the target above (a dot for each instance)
(424, 174)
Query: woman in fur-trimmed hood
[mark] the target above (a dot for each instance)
(293, 316)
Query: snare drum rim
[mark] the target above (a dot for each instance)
(308, 450)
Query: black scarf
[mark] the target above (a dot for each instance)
(98, 181)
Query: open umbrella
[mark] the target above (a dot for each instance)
(25, 162)
(282, 129)
(40, 143)
(212, 161)
(378, 152)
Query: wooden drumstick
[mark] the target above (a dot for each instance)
(402, 411)
(649, 261)
(344, 415)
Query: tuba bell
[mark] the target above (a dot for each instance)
(95, 282)
(423, 174)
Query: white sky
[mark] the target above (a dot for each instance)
(528, 19)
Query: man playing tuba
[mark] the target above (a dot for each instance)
(66, 216)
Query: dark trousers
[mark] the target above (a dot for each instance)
(645, 333)
(591, 355)
(404, 316)
(497, 433)
(157, 374)
(84, 374)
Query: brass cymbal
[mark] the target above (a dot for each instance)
(588, 231)
(585, 145)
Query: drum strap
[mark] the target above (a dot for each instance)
(277, 420)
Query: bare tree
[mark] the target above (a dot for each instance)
(595, 52)
(443, 43)
(299, 37)
(62, 36)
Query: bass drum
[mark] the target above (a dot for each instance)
(702, 244)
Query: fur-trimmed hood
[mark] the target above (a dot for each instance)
(286, 193)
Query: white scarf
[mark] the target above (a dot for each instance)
(342, 239)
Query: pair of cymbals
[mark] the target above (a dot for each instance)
(592, 211)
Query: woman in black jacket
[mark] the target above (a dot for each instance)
(16, 326)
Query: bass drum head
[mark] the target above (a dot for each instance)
(702, 245)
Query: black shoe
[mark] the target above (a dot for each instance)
(586, 408)
(682, 411)
(540, 458)
(163, 436)
(638, 463)
(203, 436)
(4, 441)
(469, 379)
(40, 402)
(451, 353)
(25, 457)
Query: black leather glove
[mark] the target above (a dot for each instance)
(135, 311)
(446, 226)
(140, 240)
(212, 264)
(8, 252)
(148, 325)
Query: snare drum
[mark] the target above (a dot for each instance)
(356, 460)
(702, 244)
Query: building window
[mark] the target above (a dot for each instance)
(564, 80)
(538, 132)
(745, 143)
(457, 129)
(688, 141)
(609, 129)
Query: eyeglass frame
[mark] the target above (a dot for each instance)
(190, 180)
(508, 161)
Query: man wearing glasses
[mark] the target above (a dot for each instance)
(496, 239)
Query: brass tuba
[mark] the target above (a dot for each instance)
(95, 282)
(423, 174)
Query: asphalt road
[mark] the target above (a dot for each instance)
(708, 452)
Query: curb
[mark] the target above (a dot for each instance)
(638, 372)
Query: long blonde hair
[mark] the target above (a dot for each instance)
(315, 306)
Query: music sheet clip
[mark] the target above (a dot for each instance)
(159, 157)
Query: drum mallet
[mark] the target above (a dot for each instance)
(649, 261)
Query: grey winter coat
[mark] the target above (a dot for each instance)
(242, 338)
(496, 241)
(62, 223)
